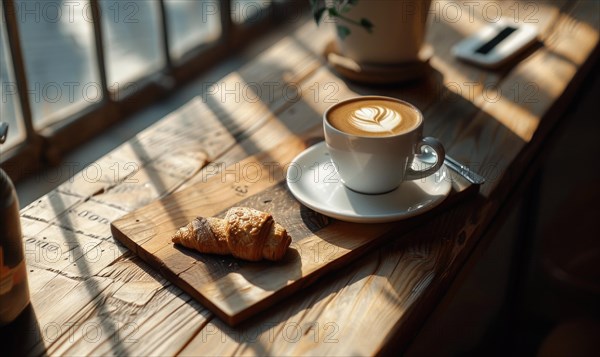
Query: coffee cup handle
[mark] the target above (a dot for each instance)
(441, 155)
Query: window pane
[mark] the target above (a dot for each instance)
(249, 10)
(192, 23)
(10, 110)
(58, 47)
(132, 40)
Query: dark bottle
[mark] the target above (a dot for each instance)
(14, 290)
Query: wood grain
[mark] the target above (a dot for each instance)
(233, 289)
(268, 336)
(107, 184)
(393, 288)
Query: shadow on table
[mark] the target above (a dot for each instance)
(450, 115)
(468, 132)
(23, 336)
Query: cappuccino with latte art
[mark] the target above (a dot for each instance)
(374, 117)
(373, 142)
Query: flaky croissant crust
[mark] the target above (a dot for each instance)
(245, 233)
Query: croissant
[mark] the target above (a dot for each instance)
(245, 233)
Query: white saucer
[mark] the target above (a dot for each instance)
(312, 179)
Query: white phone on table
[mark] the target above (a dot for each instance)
(496, 44)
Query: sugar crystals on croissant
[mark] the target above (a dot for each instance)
(245, 233)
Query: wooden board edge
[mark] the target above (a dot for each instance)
(461, 190)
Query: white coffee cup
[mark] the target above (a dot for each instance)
(375, 151)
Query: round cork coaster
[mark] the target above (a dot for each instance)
(378, 74)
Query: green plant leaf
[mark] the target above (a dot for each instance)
(318, 14)
(314, 5)
(342, 31)
(368, 25)
(333, 12)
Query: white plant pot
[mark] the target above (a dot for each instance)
(397, 36)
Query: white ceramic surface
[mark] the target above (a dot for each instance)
(378, 164)
(312, 179)
(397, 36)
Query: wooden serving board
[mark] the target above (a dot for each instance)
(233, 289)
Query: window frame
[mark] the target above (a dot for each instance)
(47, 145)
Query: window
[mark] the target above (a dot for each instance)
(132, 44)
(247, 11)
(59, 59)
(70, 68)
(10, 109)
(192, 24)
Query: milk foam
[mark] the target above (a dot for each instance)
(373, 116)
(375, 119)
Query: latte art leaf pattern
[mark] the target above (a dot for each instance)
(376, 119)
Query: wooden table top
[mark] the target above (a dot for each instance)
(91, 295)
